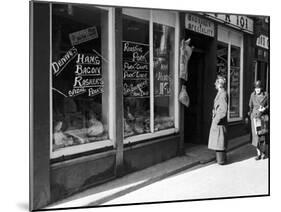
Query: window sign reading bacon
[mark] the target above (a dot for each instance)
(86, 71)
(135, 69)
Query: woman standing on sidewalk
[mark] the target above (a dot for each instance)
(217, 136)
(258, 106)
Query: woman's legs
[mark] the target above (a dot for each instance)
(261, 148)
(221, 157)
(258, 157)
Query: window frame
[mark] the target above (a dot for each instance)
(228, 36)
(111, 141)
(138, 13)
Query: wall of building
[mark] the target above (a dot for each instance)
(39, 107)
(74, 176)
(154, 151)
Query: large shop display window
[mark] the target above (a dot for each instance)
(79, 79)
(149, 64)
(230, 65)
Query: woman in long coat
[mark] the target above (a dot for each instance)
(217, 136)
(258, 106)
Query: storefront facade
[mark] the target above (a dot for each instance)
(261, 62)
(105, 85)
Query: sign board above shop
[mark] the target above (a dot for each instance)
(243, 23)
(199, 25)
(263, 41)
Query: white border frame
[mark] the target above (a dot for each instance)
(112, 101)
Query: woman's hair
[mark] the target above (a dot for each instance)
(258, 84)
(221, 81)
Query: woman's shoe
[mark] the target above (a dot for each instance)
(258, 157)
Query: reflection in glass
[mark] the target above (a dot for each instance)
(222, 57)
(79, 75)
(163, 69)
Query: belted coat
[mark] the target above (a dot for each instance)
(255, 102)
(218, 130)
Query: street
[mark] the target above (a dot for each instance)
(242, 176)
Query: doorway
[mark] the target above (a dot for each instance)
(193, 114)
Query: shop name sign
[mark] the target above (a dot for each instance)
(199, 25)
(237, 21)
(263, 41)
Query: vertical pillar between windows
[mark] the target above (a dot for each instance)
(119, 92)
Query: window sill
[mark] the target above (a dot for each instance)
(82, 159)
(236, 122)
(72, 150)
(146, 136)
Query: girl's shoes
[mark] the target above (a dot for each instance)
(263, 156)
(258, 157)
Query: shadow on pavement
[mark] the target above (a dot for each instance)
(243, 153)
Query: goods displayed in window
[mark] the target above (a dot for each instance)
(136, 78)
(234, 99)
(79, 75)
(163, 69)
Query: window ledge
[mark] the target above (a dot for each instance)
(83, 159)
(149, 141)
(236, 122)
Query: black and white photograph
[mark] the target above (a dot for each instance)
(132, 105)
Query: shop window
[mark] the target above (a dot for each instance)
(234, 83)
(229, 65)
(149, 73)
(163, 68)
(80, 79)
(136, 76)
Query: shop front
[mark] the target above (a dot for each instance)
(218, 42)
(104, 95)
(261, 62)
(105, 85)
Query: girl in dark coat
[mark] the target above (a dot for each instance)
(258, 106)
(217, 136)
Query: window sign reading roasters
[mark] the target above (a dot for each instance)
(148, 72)
(79, 77)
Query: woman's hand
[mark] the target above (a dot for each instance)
(261, 109)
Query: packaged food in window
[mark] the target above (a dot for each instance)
(128, 130)
(95, 128)
(60, 139)
(139, 127)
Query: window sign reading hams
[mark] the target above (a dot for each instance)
(135, 69)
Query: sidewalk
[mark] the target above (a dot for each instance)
(194, 155)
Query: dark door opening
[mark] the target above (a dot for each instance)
(193, 114)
